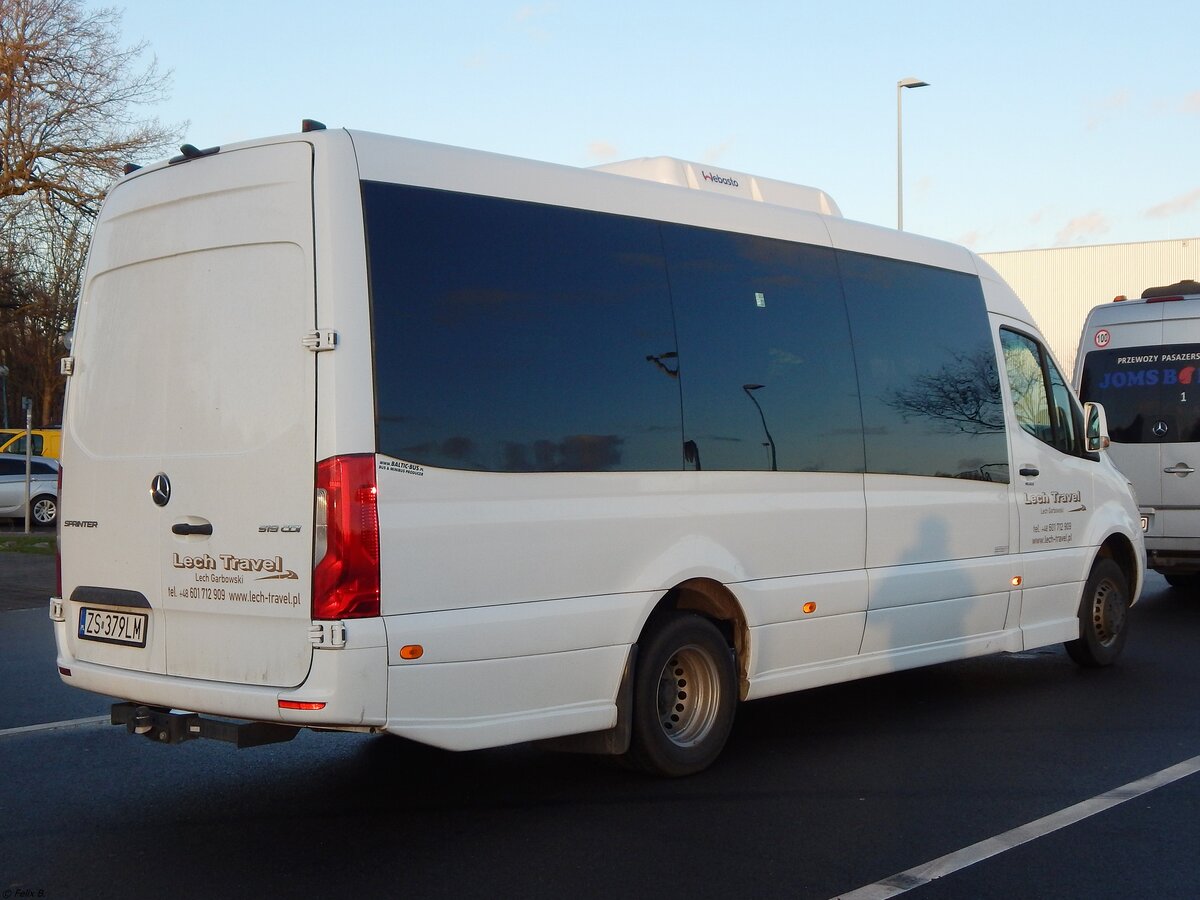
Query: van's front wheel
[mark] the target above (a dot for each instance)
(1103, 617)
(685, 693)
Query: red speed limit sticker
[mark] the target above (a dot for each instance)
(1102, 337)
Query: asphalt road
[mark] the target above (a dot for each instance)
(26, 580)
(817, 794)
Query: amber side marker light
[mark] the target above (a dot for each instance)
(809, 608)
(1016, 581)
(412, 651)
(300, 704)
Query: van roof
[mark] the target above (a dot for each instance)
(681, 173)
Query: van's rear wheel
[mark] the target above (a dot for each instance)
(684, 696)
(1103, 617)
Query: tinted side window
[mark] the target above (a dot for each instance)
(1150, 394)
(11, 466)
(764, 354)
(518, 337)
(1042, 402)
(926, 369)
(1026, 383)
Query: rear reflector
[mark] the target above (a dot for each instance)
(346, 573)
(298, 704)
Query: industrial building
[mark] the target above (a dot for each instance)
(1060, 284)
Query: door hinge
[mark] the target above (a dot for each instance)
(320, 339)
(66, 365)
(328, 635)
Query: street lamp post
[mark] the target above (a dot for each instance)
(900, 85)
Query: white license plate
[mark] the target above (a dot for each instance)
(113, 627)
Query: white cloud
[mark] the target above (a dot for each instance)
(601, 150)
(529, 16)
(1111, 104)
(713, 155)
(1173, 207)
(1085, 226)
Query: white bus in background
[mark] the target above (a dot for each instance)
(374, 435)
(1141, 359)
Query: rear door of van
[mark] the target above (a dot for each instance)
(188, 465)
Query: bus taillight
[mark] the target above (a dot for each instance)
(346, 539)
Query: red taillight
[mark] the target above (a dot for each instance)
(1162, 299)
(346, 575)
(300, 704)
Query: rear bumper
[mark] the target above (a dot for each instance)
(351, 681)
(1172, 554)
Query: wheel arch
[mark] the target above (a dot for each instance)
(713, 600)
(1120, 550)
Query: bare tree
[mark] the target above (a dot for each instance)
(960, 397)
(71, 97)
(37, 307)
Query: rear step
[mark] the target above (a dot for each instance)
(167, 727)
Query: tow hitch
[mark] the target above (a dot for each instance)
(167, 727)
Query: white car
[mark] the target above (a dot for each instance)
(43, 488)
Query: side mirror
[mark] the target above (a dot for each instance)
(1097, 427)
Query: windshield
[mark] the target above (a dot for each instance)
(1150, 394)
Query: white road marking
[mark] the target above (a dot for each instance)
(54, 726)
(968, 856)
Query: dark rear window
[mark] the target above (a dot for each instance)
(16, 466)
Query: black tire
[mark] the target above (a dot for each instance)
(43, 510)
(684, 696)
(1103, 617)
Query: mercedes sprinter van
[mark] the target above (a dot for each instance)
(368, 434)
(1141, 359)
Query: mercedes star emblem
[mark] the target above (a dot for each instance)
(1159, 429)
(160, 489)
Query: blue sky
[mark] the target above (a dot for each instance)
(1052, 123)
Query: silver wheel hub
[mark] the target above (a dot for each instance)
(1108, 613)
(689, 696)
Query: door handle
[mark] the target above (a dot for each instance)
(184, 528)
(1029, 471)
(1183, 470)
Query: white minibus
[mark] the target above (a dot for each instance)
(1141, 359)
(367, 434)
